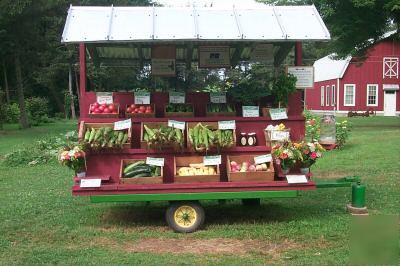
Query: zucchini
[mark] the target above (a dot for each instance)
(135, 172)
(142, 175)
(132, 166)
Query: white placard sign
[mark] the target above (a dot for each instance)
(304, 75)
(251, 111)
(296, 179)
(104, 97)
(124, 124)
(163, 67)
(214, 56)
(266, 158)
(218, 97)
(90, 183)
(278, 113)
(176, 97)
(155, 161)
(142, 97)
(212, 160)
(176, 124)
(231, 124)
(279, 135)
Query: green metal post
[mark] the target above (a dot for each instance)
(358, 195)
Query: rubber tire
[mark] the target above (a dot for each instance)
(251, 202)
(169, 216)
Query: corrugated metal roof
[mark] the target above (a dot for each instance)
(327, 68)
(154, 24)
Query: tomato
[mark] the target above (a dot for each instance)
(148, 107)
(97, 111)
(112, 107)
(148, 111)
(96, 104)
(106, 110)
(101, 108)
(136, 110)
(129, 110)
(133, 106)
(104, 105)
(142, 108)
(92, 108)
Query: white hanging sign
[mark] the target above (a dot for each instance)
(88, 183)
(279, 135)
(296, 179)
(304, 75)
(218, 97)
(124, 124)
(231, 124)
(176, 124)
(212, 160)
(155, 161)
(142, 97)
(266, 158)
(176, 97)
(251, 111)
(104, 97)
(278, 113)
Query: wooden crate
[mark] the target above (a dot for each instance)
(272, 143)
(83, 126)
(259, 176)
(212, 125)
(143, 144)
(91, 115)
(179, 114)
(184, 162)
(138, 180)
(143, 115)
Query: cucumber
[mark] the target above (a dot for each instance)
(132, 166)
(143, 175)
(137, 172)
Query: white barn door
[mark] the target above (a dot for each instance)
(390, 103)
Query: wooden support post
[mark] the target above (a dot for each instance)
(298, 54)
(82, 74)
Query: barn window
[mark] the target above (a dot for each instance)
(349, 94)
(333, 97)
(372, 95)
(328, 91)
(322, 96)
(390, 67)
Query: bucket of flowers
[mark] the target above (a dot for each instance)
(75, 159)
(310, 152)
(286, 155)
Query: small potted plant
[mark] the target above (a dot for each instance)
(286, 155)
(310, 152)
(74, 159)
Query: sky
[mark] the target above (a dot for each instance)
(214, 3)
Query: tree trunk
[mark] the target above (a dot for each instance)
(71, 94)
(20, 92)
(6, 82)
(77, 85)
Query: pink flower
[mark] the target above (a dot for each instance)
(283, 156)
(313, 155)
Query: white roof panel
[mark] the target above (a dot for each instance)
(152, 24)
(327, 68)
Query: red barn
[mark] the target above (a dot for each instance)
(355, 85)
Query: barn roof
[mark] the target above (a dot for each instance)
(160, 24)
(327, 68)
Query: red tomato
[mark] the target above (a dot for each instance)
(97, 111)
(148, 111)
(136, 110)
(104, 105)
(148, 107)
(96, 104)
(133, 106)
(112, 107)
(106, 110)
(128, 110)
(92, 107)
(101, 108)
(142, 108)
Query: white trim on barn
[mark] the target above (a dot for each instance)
(322, 95)
(376, 94)
(390, 67)
(345, 94)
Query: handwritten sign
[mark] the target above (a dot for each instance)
(212, 160)
(124, 124)
(218, 97)
(87, 183)
(251, 111)
(104, 97)
(296, 179)
(176, 124)
(304, 75)
(176, 97)
(142, 97)
(231, 124)
(266, 158)
(155, 161)
(278, 113)
(279, 135)
(163, 67)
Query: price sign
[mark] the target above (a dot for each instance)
(104, 97)
(212, 160)
(218, 97)
(266, 158)
(124, 124)
(176, 97)
(251, 111)
(142, 97)
(279, 135)
(304, 75)
(90, 183)
(176, 124)
(296, 179)
(231, 124)
(278, 113)
(155, 161)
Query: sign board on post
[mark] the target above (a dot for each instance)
(218, 97)
(155, 161)
(104, 97)
(263, 53)
(223, 125)
(214, 56)
(251, 111)
(124, 124)
(279, 135)
(176, 97)
(90, 183)
(278, 113)
(296, 179)
(176, 124)
(304, 75)
(163, 67)
(212, 160)
(142, 97)
(266, 158)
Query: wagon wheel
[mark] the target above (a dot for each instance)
(185, 217)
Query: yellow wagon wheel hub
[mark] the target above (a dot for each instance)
(185, 216)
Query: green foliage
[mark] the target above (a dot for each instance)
(12, 113)
(313, 122)
(38, 110)
(343, 129)
(284, 85)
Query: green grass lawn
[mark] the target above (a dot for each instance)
(41, 223)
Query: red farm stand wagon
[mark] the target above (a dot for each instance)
(192, 169)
